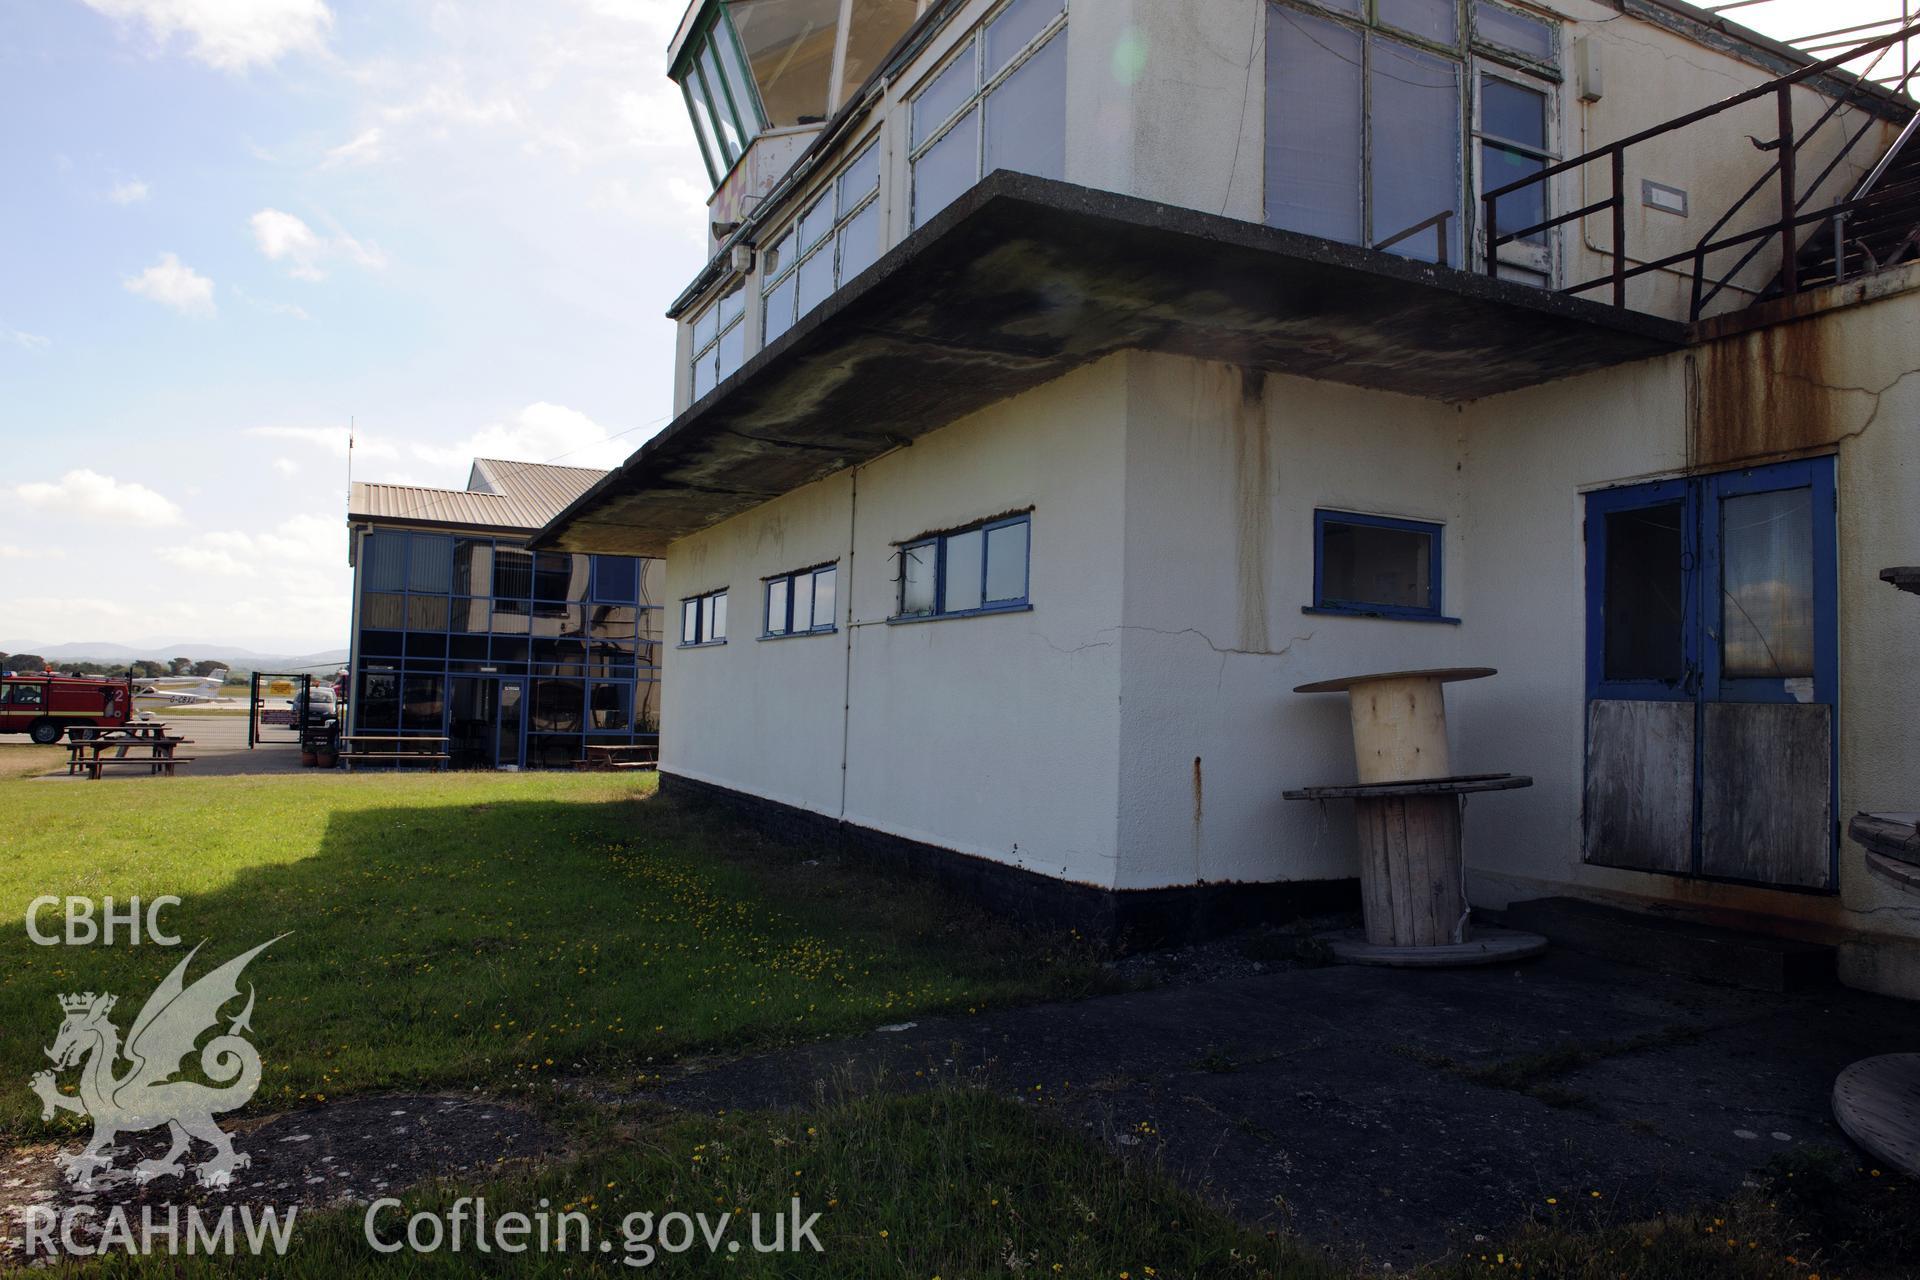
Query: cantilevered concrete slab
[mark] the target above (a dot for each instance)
(1024, 279)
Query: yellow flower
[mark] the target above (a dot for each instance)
(883, 1233)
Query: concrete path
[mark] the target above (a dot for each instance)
(1398, 1112)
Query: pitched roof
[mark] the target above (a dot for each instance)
(500, 494)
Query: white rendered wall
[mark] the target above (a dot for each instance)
(994, 735)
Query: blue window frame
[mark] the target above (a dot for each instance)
(703, 619)
(980, 568)
(1377, 567)
(800, 603)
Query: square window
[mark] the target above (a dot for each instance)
(1376, 565)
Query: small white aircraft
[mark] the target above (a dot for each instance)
(177, 691)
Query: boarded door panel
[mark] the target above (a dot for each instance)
(1765, 812)
(1640, 785)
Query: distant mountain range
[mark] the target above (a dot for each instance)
(102, 651)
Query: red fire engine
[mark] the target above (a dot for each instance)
(43, 706)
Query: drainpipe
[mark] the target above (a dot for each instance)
(844, 603)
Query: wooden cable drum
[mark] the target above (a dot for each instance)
(1399, 721)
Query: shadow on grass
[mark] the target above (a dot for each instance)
(502, 942)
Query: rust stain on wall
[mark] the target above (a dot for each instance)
(1763, 393)
(1252, 517)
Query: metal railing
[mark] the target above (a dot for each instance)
(1781, 175)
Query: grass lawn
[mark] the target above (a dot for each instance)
(490, 929)
(504, 930)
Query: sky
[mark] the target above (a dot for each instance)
(232, 227)
(235, 226)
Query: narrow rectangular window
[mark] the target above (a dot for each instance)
(777, 594)
(919, 567)
(1376, 565)
(823, 597)
(703, 619)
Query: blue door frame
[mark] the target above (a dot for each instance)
(1702, 679)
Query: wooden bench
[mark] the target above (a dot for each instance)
(608, 756)
(439, 758)
(153, 764)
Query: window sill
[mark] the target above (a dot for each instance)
(901, 620)
(800, 635)
(704, 644)
(1389, 615)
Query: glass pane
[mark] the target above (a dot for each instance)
(706, 374)
(703, 123)
(860, 242)
(778, 258)
(512, 573)
(430, 563)
(1514, 31)
(383, 610)
(1642, 614)
(780, 310)
(823, 583)
(705, 326)
(378, 706)
(1027, 116)
(609, 705)
(717, 616)
(1526, 207)
(1766, 583)
(1015, 29)
(917, 566)
(732, 307)
(1313, 126)
(1415, 163)
(777, 607)
(948, 168)
(472, 566)
(963, 572)
(616, 579)
(422, 703)
(383, 559)
(816, 280)
(732, 352)
(1370, 564)
(789, 46)
(874, 28)
(507, 724)
(689, 622)
(943, 97)
(860, 178)
(426, 613)
(558, 575)
(1007, 562)
(803, 603)
(1435, 20)
(1513, 112)
(816, 222)
(733, 64)
(732, 139)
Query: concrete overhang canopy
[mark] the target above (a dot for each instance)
(1024, 279)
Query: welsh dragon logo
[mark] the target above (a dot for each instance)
(143, 1094)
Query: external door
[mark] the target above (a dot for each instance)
(1712, 675)
(509, 717)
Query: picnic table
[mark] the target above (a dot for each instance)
(131, 729)
(88, 748)
(637, 755)
(393, 746)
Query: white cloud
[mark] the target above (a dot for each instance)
(232, 35)
(24, 340)
(365, 147)
(130, 192)
(268, 305)
(8, 551)
(84, 492)
(173, 283)
(301, 543)
(541, 432)
(282, 237)
(286, 466)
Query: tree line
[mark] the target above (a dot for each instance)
(140, 668)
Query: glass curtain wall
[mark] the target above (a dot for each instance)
(581, 635)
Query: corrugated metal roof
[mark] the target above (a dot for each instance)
(501, 494)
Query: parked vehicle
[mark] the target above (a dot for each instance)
(44, 706)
